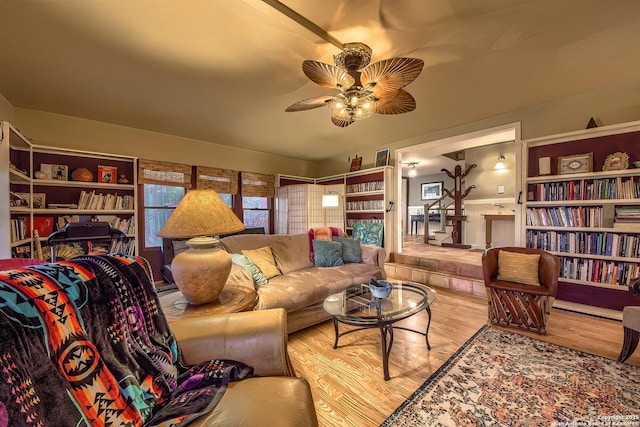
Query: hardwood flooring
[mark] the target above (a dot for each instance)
(347, 383)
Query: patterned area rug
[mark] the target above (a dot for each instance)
(500, 378)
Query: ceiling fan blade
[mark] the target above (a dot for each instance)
(327, 75)
(395, 103)
(341, 122)
(392, 74)
(309, 103)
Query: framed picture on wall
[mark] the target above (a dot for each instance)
(431, 190)
(382, 157)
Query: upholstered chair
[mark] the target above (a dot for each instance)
(521, 284)
(631, 324)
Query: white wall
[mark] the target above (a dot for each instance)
(89, 135)
(6, 109)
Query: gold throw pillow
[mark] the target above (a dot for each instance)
(518, 267)
(263, 258)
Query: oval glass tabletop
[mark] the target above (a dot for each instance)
(356, 305)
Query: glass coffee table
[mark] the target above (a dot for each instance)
(357, 307)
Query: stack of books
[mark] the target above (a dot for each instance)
(627, 218)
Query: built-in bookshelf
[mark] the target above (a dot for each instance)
(590, 219)
(39, 187)
(367, 197)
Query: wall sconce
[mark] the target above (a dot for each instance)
(500, 163)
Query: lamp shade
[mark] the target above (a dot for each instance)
(330, 201)
(200, 213)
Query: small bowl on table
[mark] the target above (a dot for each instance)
(380, 288)
(636, 164)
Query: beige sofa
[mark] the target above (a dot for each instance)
(302, 287)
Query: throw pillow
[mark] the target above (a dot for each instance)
(334, 231)
(351, 251)
(369, 254)
(263, 258)
(518, 267)
(244, 261)
(327, 254)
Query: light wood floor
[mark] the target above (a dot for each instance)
(347, 383)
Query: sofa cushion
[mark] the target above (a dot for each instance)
(244, 261)
(291, 252)
(351, 251)
(263, 258)
(327, 253)
(303, 288)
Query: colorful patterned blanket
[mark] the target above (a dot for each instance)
(83, 342)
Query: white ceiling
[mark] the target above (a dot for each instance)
(225, 70)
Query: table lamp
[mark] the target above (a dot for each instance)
(201, 271)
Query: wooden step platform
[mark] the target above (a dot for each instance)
(454, 269)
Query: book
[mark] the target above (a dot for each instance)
(107, 174)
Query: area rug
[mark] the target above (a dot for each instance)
(500, 378)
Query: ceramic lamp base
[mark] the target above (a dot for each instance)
(201, 271)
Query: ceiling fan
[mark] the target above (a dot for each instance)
(364, 89)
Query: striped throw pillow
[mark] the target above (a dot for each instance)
(519, 268)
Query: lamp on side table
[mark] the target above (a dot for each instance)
(201, 271)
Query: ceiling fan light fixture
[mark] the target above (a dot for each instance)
(354, 104)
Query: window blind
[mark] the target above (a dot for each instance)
(223, 181)
(164, 173)
(257, 185)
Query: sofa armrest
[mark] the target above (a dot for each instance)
(373, 255)
(256, 338)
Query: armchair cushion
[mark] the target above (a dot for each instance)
(519, 268)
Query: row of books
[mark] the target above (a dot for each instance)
(598, 189)
(567, 216)
(363, 205)
(581, 242)
(598, 271)
(89, 200)
(127, 247)
(18, 229)
(365, 186)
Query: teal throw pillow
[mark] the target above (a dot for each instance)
(327, 254)
(351, 251)
(244, 261)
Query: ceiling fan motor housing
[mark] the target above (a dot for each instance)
(354, 56)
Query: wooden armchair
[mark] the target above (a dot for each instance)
(512, 302)
(631, 324)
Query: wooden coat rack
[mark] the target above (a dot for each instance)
(457, 195)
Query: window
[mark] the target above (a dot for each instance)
(159, 203)
(256, 212)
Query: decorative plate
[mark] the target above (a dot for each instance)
(616, 161)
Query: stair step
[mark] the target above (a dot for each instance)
(454, 280)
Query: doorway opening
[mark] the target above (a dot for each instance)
(488, 188)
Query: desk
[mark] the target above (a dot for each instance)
(231, 300)
(488, 219)
(415, 219)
